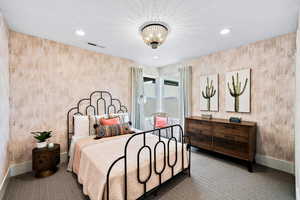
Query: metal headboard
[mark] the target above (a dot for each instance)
(92, 105)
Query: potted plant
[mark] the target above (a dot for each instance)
(42, 137)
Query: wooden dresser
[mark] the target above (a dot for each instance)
(219, 135)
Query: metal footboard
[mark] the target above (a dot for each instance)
(166, 160)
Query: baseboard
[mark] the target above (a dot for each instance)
(25, 167)
(275, 163)
(4, 184)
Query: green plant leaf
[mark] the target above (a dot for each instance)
(42, 136)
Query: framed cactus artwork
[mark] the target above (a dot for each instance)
(209, 93)
(237, 91)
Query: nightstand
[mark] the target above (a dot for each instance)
(45, 160)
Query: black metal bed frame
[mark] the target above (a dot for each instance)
(121, 109)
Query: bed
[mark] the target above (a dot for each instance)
(129, 166)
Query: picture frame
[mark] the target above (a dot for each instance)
(238, 91)
(209, 93)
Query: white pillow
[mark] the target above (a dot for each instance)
(124, 117)
(95, 119)
(81, 125)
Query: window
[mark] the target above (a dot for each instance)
(150, 96)
(171, 98)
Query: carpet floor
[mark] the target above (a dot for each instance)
(213, 177)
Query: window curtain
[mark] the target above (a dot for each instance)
(137, 84)
(185, 92)
(297, 115)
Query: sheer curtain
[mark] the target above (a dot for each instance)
(137, 84)
(297, 116)
(185, 92)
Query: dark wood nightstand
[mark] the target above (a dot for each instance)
(45, 160)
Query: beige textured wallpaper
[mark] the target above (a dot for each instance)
(47, 78)
(272, 90)
(4, 98)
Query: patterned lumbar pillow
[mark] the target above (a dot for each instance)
(112, 130)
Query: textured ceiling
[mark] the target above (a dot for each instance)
(195, 24)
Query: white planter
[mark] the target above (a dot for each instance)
(41, 144)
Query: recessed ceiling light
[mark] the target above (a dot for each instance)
(225, 31)
(80, 32)
(155, 57)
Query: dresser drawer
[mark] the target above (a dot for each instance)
(201, 139)
(199, 131)
(231, 147)
(198, 125)
(229, 129)
(233, 137)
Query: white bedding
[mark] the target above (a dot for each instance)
(73, 143)
(72, 148)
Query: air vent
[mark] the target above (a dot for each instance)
(96, 45)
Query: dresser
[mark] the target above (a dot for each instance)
(219, 135)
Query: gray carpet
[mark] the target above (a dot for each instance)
(213, 178)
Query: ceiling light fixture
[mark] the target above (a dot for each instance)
(225, 31)
(154, 33)
(79, 32)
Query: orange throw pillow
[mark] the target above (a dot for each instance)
(161, 122)
(109, 122)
